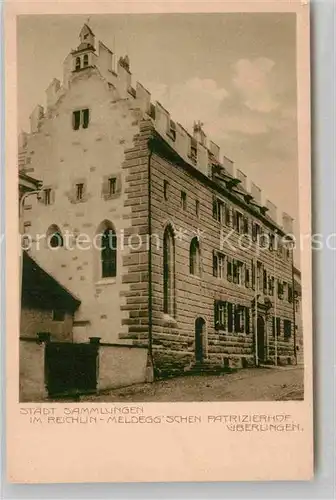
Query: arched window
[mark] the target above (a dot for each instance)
(78, 63)
(54, 237)
(108, 251)
(168, 272)
(194, 257)
(85, 60)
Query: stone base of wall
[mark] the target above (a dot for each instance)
(32, 375)
(120, 366)
(169, 363)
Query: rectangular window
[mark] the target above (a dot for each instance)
(112, 185)
(246, 225)
(183, 200)
(228, 214)
(290, 294)
(47, 196)
(214, 264)
(165, 189)
(259, 276)
(230, 316)
(287, 328)
(253, 275)
(76, 120)
(237, 269)
(86, 117)
(218, 209)
(265, 281)
(239, 319)
(197, 208)
(238, 222)
(220, 315)
(80, 118)
(58, 315)
(79, 191)
(284, 291)
(280, 290)
(271, 285)
(221, 265)
(255, 231)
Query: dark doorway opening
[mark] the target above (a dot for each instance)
(261, 339)
(199, 339)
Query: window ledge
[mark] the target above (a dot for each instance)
(106, 281)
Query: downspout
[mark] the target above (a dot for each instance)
(150, 301)
(294, 315)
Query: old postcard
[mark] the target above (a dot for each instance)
(159, 292)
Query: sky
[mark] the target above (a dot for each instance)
(235, 72)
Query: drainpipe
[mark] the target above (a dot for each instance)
(150, 301)
(294, 314)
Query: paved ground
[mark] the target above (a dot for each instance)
(258, 384)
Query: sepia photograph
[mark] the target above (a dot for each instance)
(158, 182)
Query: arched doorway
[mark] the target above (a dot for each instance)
(199, 339)
(261, 339)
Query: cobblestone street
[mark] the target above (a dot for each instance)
(258, 384)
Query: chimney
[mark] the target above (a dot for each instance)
(272, 210)
(256, 193)
(214, 149)
(242, 177)
(287, 223)
(228, 165)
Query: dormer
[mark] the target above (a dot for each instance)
(83, 55)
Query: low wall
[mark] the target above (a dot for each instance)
(120, 366)
(32, 377)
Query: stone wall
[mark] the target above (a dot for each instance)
(34, 321)
(174, 338)
(60, 157)
(32, 374)
(120, 366)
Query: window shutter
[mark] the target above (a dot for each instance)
(234, 219)
(86, 117)
(237, 318)
(273, 326)
(76, 120)
(230, 316)
(247, 277)
(229, 269)
(254, 231)
(216, 315)
(265, 282)
(214, 208)
(235, 271)
(214, 264)
(247, 320)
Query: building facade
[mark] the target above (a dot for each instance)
(161, 238)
